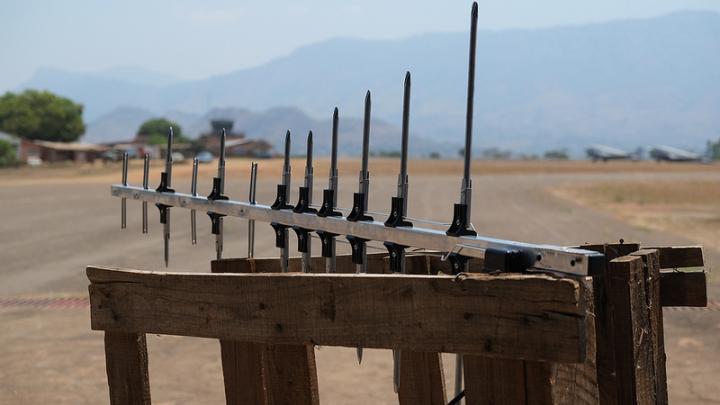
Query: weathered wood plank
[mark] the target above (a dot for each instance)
(517, 316)
(683, 288)
(289, 371)
(126, 363)
(494, 381)
(604, 329)
(677, 257)
(633, 348)
(651, 271)
(242, 362)
(291, 375)
(421, 373)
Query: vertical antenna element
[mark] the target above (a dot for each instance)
(146, 177)
(465, 198)
(193, 191)
(168, 158)
(251, 199)
(330, 200)
(123, 202)
(403, 180)
(462, 223)
(216, 194)
(333, 157)
(281, 203)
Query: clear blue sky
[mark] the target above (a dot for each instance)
(197, 39)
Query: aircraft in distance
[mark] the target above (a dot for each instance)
(605, 153)
(670, 154)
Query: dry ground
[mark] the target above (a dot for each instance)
(56, 221)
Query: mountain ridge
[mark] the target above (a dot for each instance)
(625, 82)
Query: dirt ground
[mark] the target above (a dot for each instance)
(55, 222)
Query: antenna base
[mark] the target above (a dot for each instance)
(460, 225)
(280, 201)
(358, 210)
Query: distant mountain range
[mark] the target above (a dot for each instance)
(625, 83)
(270, 125)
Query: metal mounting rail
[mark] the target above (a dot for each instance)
(541, 257)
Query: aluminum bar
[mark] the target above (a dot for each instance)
(541, 257)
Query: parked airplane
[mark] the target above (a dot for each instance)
(670, 154)
(605, 153)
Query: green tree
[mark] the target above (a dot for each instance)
(713, 150)
(41, 115)
(7, 154)
(156, 130)
(556, 154)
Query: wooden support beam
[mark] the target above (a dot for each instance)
(242, 362)
(678, 257)
(633, 346)
(604, 327)
(289, 372)
(653, 307)
(525, 316)
(421, 373)
(683, 288)
(127, 368)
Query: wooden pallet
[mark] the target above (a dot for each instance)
(529, 338)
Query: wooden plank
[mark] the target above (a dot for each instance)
(676, 257)
(126, 363)
(242, 362)
(494, 381)
(604, 333)
(421, 373)
(567, 384)
(526, 316)
(291, 375)
(633, 354)
(651, 272)
(683, 288)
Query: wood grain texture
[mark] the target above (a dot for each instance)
(518, 316)
(421, 373)
(242, 362)
(633, 347)
(494, 381)
(288, 371)
(677, 257)
(683, 289)
(126, 363)
(651, 272)
(604, 327)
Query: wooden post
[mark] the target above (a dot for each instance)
(604, 327)
(242, 362)
(633, 340)
(127, 368)
(286, 373)
(653, 307)
(421, 373)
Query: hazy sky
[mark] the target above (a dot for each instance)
(197, 39)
